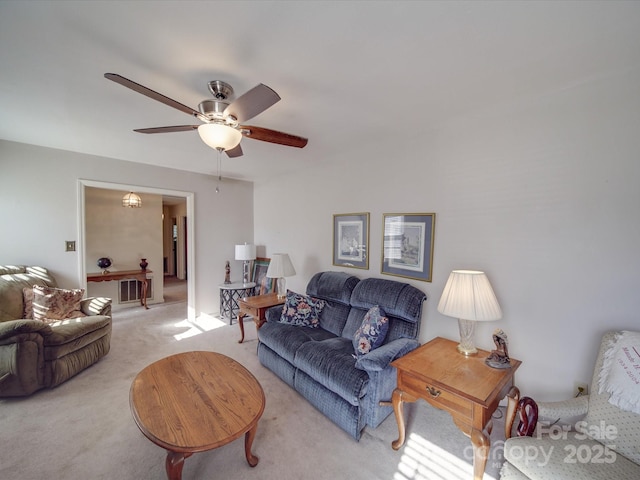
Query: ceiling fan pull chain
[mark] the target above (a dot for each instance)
(219, 169)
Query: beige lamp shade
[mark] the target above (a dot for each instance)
(280, 267)
(468, 295)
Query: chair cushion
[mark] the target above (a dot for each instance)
(570, 457)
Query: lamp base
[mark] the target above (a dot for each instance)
(245, 271)
(281, 284)
(467, 330)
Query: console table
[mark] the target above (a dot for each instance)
(463, 386)
(230, 293)
(140, 275)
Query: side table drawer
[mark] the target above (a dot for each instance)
(434, 395)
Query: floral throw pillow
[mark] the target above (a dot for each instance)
(301, 310)
(372, 332)
(52, 304)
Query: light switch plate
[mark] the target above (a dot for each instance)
(70, 246)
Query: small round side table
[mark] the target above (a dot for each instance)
(230, 293)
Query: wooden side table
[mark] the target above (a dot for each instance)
(463, 386)
(257, 307)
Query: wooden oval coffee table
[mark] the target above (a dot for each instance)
(196, 401)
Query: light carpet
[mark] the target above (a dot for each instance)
(83, 429)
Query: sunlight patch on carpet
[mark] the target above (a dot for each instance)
(423, 460)
(204, 323)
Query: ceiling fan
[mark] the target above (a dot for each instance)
(221, 128)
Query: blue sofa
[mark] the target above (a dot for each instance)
(319, 363)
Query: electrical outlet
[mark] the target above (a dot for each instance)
(580, 389)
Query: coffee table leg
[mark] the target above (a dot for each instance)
(174, 464)
(252, 460)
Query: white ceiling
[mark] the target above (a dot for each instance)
(349, 73)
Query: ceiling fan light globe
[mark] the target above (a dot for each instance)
(219, 136)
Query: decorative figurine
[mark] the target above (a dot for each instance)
(499, 358)
(227, 273)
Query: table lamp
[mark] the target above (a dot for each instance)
(468, 296)
(279, 268)
(246, 253)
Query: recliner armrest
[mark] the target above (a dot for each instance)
(17, 327)
(380, 358)
(96, 306)
(566, 411)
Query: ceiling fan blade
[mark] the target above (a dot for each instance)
(136, 87)
(234, 152)
(255, 101)
(273, 136)
(177, 128)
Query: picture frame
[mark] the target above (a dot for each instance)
(259, 276)
(407, 245)
(351, 240)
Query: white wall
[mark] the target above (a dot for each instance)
(39, 208)
(542, 195)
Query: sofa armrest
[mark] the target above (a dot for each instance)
(96, 306)
(566, 411)
(274, 314)
(18, 327)
(381, 357)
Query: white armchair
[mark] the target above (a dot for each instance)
(583, 438)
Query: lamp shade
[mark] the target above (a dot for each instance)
(245, 252)
(131, 200)
(468, 295)
(280, 266)
(219, 136)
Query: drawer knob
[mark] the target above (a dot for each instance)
(433, 392)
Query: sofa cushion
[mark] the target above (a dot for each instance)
(372, 331)
(50, 304)
(285, 339)
(401, 302)
(301, 310)
(331, 363)
(335, 288)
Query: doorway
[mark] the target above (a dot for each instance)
(186, 199)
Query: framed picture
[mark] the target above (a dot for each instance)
(351, 240)
(407, 245)
(259, 275)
